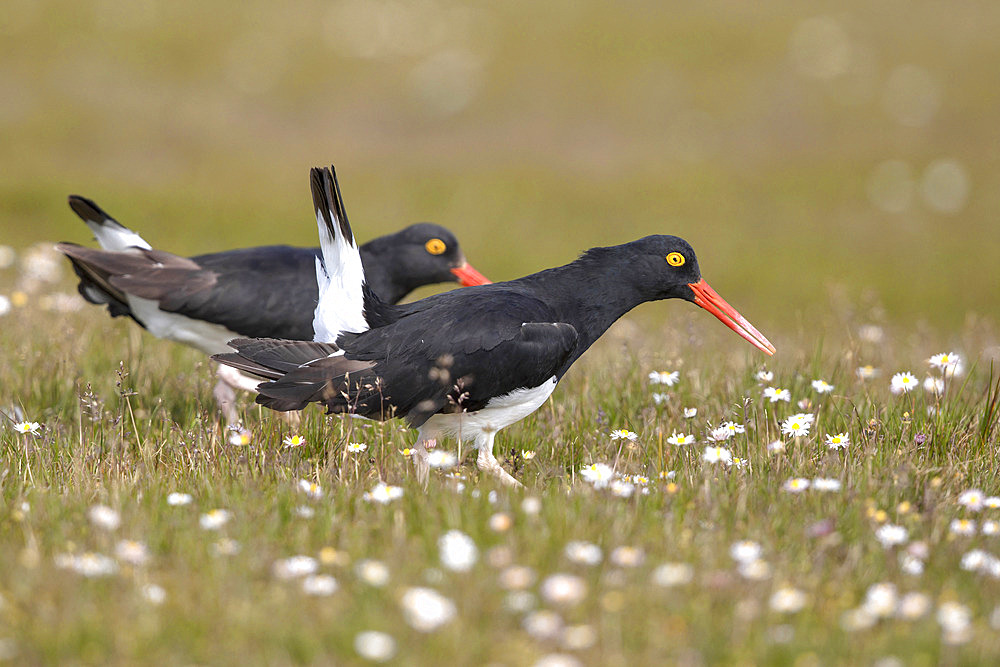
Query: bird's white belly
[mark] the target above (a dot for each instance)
(501, 411)
(205, 336)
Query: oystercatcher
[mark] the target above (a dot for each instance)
(469, 362)
(267, 291)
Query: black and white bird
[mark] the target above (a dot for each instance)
(469, 362)
(267, 291)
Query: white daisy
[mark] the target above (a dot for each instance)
(294, 441)
(788, 600)
(457, 551)
(311, 489)
(663, 377)
(838, 441)
(598, 474)
(765, 376)
(797, 425)
(356, 447)
(774, 394)
(215, 519)
(383, 493)
(933, 385)
(583, 553)
(972, 499)
(822, 386)
(964, 527)
(717, 455)
(902, 383)
(177, 499)
(375, 646)
(826, 484)
(427, 610)
(104, 517)
(867, 372)
(890, 535)
(796, 485)
(949, 362)
(27, 427)
(439, 458)
(746, 551)
(623, 434)
(690, 412)
(680, 439)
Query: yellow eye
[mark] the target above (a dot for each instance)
(675, 259)
(435, 246)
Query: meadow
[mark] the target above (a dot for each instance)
(835, 168)
(138, 530)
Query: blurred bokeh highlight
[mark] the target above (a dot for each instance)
(819, 156)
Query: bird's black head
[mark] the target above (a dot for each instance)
(421, 254)
(665, 267)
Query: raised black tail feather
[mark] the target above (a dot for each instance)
(327, 198)
(88, 210)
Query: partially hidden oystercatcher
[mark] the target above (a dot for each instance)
(469, 362)
(266, 291)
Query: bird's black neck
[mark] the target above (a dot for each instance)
(382, 275)
(591, 293)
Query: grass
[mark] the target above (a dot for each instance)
(125, 424)
(559, 126)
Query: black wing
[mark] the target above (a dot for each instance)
(454, 356)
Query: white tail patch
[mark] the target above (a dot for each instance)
(340, 276)
(112, 235)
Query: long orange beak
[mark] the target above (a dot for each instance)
(468, 276)
(709, 299)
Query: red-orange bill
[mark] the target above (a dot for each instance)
(468, 276)
(709, 299)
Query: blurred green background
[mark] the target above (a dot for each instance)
(819, 156)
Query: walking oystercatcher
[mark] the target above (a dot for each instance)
(267, 291)
(469, 362)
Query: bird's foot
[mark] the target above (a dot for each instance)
(225, 398)
(489, 464)
(421, 460)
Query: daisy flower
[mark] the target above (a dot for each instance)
(663, 377)
(972, 498)
(311, 489)
(598, 474)
(774, 394)
(383, 493)
(734, 428)
(375, 646)
(680, 439)
(746, 551)
(457, 551)
(673, 574)
(822, 386)
(797, 425)
(215, 519)
(356, 447)
(154, 594)
(717, 455)
(104, 517)
(319, 585)
(27, 427)
(796, 485)
(992, 502)
(776, 447)
(838, 441)
(720, 434)
(294, 441)
(426, 610)
(765, 376)
(527, 454)
(624, 434)
(826, 484)
(563, 589)
(963, 527)
(948, 362)
(408, 451)
(372, 572)
(294, 567)
(622, 488)
(902, 383)
(660, 399)
(441, 459)
(867, 372)
(239, 437)
(788, 600)
(690, 412)
(890, 535)
(131, 552)
(177, 499)
(583, 553)
(933, 385)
